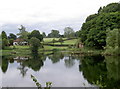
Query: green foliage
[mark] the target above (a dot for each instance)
(11, 41)
(4, 35)
(91, 17)
(4, 64)
(54, 33)
(12, 36)
(35, 44)
(112, 7)
(4, 39)
(4, 43)
(93, 31)
(48, 84)
(43, 34)
(35, 33)
(23, 33)
(113, 42)
(61, 40)
(69, 32)
(53, 41)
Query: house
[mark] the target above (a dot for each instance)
(79, 45)
(19, 41)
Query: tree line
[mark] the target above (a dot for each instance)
(35, 38)
(101, 30)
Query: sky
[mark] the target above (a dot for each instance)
(45, 15)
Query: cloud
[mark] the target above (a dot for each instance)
(45, 26)
(47, 13)
(33, 11)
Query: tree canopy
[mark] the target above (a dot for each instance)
(69, 32)
(54, 33)
(113, 42)
(4, 35)
(35, 44)
(93, 31)
(35, 33)
(12, 36)
(23, 33)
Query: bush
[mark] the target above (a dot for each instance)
(34, 44)
(113, 42)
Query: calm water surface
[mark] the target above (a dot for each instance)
(63, 70)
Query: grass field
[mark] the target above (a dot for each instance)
(68, 42)
(25, 50)
(46, 40)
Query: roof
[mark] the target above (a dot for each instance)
(18, 40)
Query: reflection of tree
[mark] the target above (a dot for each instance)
(93, 67)
(69, 62)
(4, 64)
(56, 57)
(11, 60)
(113, 69)
(22, 69)
(95, 71)
(36, 62)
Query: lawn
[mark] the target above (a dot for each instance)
(69, 42)
(25, 50)
(46, 40)
(19, 50)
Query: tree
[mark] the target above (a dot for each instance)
(61, 40)
(69, 32)
(11, 41)
(113, 42)
(4, 35)
(4, 39)
(100, 9)
(23, 33)
(54, 34)
(96, 39)
(34, 45)
(93, 31)
(12, 36)
(53, 41)
(4, 43)
(35, 33)
(43, 34)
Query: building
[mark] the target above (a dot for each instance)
(19, 41)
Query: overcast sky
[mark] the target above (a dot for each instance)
(46, 15)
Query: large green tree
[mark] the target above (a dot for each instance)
(4, 35)
(23, 33)
(69, 32)
(4, 39)
(12, 36)
(34, 45)
(93, 31)
(43, 34)
(113, 42)
(35, 33)
(54, 34)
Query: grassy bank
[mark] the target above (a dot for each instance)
(25, 50)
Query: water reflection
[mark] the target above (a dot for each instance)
(56, 56)
(97, 70)
(35, 62)
(69, 61)
(4, 64)
(101, 71)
